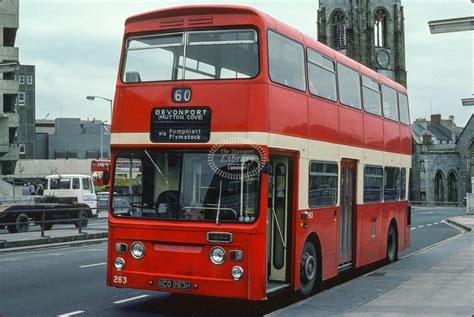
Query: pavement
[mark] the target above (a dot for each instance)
(61, 234)
(436, 281)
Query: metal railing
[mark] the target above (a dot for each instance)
(434, 204)
(20, 220)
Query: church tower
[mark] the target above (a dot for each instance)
(370, 31)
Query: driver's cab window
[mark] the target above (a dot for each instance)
(128, 187)
(164, 178)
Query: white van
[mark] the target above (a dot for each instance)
(72, 185)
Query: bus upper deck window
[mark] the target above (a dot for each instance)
(191, 55)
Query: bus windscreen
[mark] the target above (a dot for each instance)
(188, 187)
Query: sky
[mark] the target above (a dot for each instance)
(75, 45)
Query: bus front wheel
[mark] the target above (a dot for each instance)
(308, 269)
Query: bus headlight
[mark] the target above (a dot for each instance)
(137, 250)
(119, 264)
(217, 255)
(237, 273)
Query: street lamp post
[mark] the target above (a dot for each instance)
(102, 124)
(101, 144)
(92, 98)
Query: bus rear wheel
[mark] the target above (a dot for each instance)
(308, 269)
(392, 245)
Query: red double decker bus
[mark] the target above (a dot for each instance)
(100, 171)
(267, 160)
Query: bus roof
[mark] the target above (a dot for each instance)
(179, 11)
(193, 10)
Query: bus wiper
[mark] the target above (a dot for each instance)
(158, 169)
(219, 203)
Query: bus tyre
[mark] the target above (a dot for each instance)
(308, 269)
(392, 245)
(22, 224)
(83, 219)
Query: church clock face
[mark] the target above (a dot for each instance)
(383, 58)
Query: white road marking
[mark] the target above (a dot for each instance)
(90, 265)
(412, 228)
(420, 226)
(130, 299)
(436, 223)
(428, 225)
(77, 312)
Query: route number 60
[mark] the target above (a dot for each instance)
(181, 95)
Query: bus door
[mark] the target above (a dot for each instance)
(346, 213)
(279, 202)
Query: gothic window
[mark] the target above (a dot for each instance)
(340, 37)
(452, 188)
(439, 190)
(380, 28)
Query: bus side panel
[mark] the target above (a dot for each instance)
(370, 218)
(391, 134)
(325, 225)
(393, 210)
(402, 226)
(288, 111)
(351, 131)
(323, 120)
(258, 119)
(256, 254)
(373, 132)
(405, 138)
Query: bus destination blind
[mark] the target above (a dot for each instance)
(180, 125)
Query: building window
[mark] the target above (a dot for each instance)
(72, 154)
(21, 98)
(380, 28)
(322, 184)
(21, 79)
(29, 80)
(439, 188)
(60, 154)
(22, 149)
(340, 33)
(452, 188)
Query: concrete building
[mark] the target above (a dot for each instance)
(26, 111)
(9, 118)
(71, 138)
(371, 32)
(443, 160)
